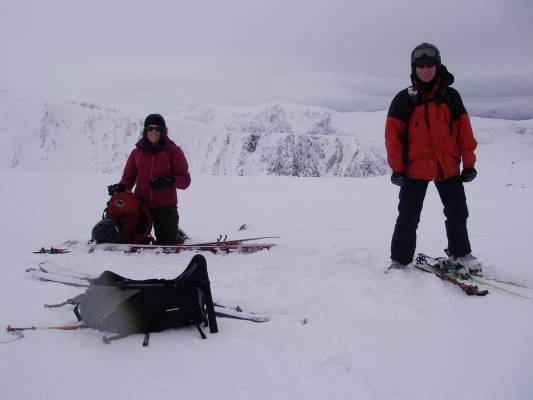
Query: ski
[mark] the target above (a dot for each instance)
(422, 263)
(238, 313)
(477, 275)
(58, 272)
(218, 247)
(224, 240)
(502, 281)
(483, 281)
(446, 266)
(443, 265)
(47, 275)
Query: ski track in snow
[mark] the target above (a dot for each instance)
(370, 335)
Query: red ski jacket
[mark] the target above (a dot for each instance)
(142, 166)
(428, 135)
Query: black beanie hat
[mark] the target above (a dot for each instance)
(425, 51)
(155, 119)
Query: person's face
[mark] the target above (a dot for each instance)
(153, 133)
(425, 73)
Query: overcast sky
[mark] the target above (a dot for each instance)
(346, 55)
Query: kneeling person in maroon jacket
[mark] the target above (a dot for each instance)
(157, 167)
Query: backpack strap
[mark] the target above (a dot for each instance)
(210, 308)
(146, 339)
(74, 301)
(455, 103)
(109, 339)
(206, 290)
(77, 312)
(202, 334)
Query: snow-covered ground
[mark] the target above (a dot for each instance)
(371, 335)
(404, 335)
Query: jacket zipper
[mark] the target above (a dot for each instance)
(440, 174)
(426, 117)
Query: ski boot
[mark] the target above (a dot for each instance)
(467, 264)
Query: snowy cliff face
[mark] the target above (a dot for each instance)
(272, 139)
(282, 139)
(80, 137)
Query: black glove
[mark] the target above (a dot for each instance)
(468, 174)
(116, 188)
(161, 182)
(398, 178)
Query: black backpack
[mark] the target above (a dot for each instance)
(124, 306)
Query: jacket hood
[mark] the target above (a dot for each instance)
(447, 77)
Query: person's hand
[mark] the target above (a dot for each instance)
(468, 174)
(116, 188)
(161, 182)
(398, 178)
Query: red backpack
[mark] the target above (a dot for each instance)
(133, 219)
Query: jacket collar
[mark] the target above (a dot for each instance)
(146, 146)
(434, 89)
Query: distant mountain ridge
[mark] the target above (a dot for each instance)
(277, 138)
(271, 139)
(516, 113)
(281, 139)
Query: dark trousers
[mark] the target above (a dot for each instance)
(166, 221)
(412, 194)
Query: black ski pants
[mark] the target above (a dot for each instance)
(166, 221)
(412, 194)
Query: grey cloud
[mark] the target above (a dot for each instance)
(499, 85)
(337, 53)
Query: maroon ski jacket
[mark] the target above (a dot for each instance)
(142, 166)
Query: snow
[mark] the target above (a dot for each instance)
(277, 138)
(370, 335)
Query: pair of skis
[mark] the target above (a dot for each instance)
(221, 246)
(468, 283)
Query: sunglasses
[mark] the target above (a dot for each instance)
(158, 129)
(425, 63)
(425, 52)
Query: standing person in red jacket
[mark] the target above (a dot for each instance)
(427, 135)
(157, 167)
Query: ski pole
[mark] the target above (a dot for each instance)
(9, 328)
